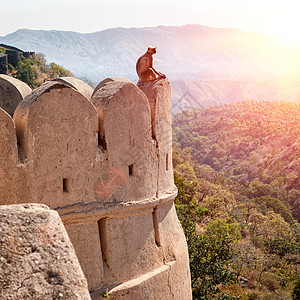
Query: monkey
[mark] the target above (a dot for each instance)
(144, 67)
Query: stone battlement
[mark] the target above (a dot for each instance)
(103, 160)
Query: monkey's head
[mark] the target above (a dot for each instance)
(151, 50)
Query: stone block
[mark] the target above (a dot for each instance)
(37, 259)
(12, 92)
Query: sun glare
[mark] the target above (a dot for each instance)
(290, 40)
(289, 37)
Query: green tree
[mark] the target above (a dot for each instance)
(56, 70)
(186, 189)
(10, 67)
(248, 257)
(281, 247)
(274, 226)
(40, 60)
(270, 203)
(210, 256)
(26, 73)
(296, 290)
(220, 204)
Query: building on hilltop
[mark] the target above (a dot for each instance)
(105, 165)
(11, 56)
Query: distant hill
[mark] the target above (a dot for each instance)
(190, 52)
(188, 94)
(184, 52)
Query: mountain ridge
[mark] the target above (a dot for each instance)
(190, 52)
(197, 50)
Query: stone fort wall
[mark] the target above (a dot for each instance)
(3, 63)
(12, 56)
(105, 165)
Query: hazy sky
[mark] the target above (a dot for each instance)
(264, 16)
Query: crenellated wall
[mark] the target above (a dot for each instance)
(105, 165)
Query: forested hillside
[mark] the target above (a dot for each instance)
(34, 70)
(237, 168)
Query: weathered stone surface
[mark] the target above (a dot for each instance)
(12, 92)
(10, 188)
(56, 129)
(37, 260)
(8, 153)
(164, 276)
(124, 124)
(86, 241)
(78, 85)
(159, 96)
(138, 252)
(110, 80)
(175, 250)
